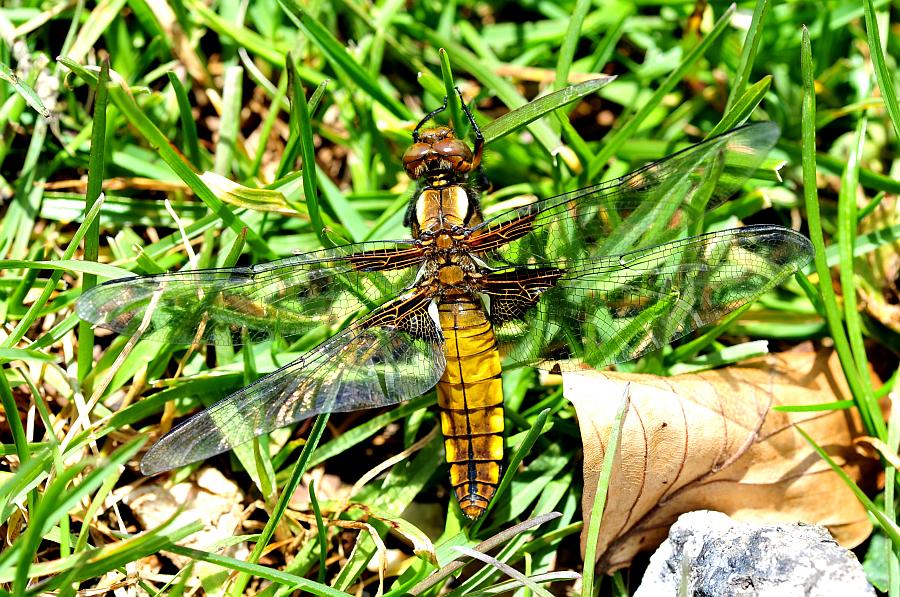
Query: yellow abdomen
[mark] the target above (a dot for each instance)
(470, 396)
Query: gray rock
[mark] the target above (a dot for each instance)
(708, 554)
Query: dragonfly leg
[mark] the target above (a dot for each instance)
(478, 149)
(428, 117)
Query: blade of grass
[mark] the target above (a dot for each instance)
(570, 43)
(381, 25)
(97, 502)
(95, 563)
(245, 38)
(742, 109)
(868, 178)
(453, 100)
(521, 116)
(287, 492)
(513, 550)
(249, 568)
(864, 243)
(870, 205)
(320, 531)
(24, 481)
(593, 532)
(882, 73)
(611, 38)
(688, 350)
(229, 119)
(485, 546)
(805, 408)
(96, 172)
(20, 440)
(68, 265)
(504, 568)
(94, 26)
(871, 416)
(846, 235)
(19, 220)
(889, 527)
(188, 124)
(890, 488)
(510, 585)
(748, 52)
(292, 149)
(275, 107)
(300, 109)
(24, 354)
(342, 206)
(735, 353)
(485, 72)
(26, 91)
(360, 433)
(888, 386)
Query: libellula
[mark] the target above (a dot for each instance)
(595, 276)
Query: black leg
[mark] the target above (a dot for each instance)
(478, 150)
(428, 117)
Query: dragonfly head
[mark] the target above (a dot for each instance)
(436, 152)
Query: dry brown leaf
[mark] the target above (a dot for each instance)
(711, 441)
(881, 448)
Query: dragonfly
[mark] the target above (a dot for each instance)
(591, 277)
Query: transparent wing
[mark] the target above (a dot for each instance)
(647, 207)
(285, 298)
(393, 354)
(614, 309)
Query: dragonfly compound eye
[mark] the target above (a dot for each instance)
(433, 154)
(456, 153)
(414, 159)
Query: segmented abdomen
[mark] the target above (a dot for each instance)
(471, 400)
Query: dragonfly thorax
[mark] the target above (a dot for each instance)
(451, 275)
(450, 270)
(442, 210)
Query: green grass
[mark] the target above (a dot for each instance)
(258, 96)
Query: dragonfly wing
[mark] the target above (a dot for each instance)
(285, 298)
(614, 309)
(394, 354)
(647, 207)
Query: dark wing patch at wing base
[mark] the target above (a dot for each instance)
(514, 292)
